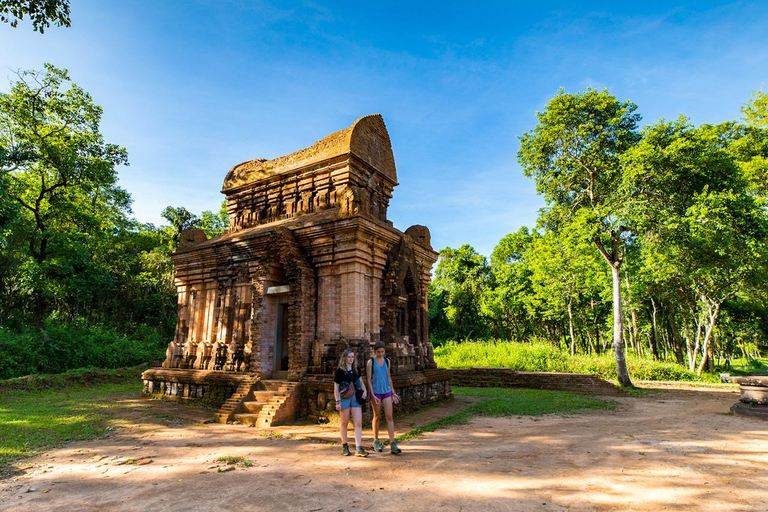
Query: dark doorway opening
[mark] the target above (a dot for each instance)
(281, 338)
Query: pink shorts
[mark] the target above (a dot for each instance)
(382, 396)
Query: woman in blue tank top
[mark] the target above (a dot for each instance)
(382, 396)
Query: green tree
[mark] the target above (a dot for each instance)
(215, 223)
(461, 278)
(41, 12)
(506, 301)
(179, 219)
(60, 172)
(573, 154)
(702, 230)
(565, 270)
(756, 110)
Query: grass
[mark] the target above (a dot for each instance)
(513, 402)
(78, 377)
(744, 366)
(544, 357)
(231, 460)
(32, 420)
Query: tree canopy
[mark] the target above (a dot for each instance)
(41, 12)
(677, 211)
(574, 156)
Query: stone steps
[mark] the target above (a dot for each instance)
(229, 407)
(262, 403)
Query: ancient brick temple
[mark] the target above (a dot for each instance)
(309, 267)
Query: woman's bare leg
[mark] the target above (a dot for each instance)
(357, 418)
(387, 402)
(376, 417)
(344, 423)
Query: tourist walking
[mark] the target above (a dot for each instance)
(345, 382)
(382, 396)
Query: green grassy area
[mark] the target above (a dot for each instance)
(747, 366)
(33, 419)
(513, 402)
(544, 357)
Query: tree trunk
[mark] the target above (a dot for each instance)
(618, 329)
(652, 339)
(713, 309)
(40, 311)
(570, 328)
(692, 354)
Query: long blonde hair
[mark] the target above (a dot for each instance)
(343, 360)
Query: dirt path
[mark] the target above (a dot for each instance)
(675, 449)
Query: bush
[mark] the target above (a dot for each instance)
(544, 357)
(65, 347)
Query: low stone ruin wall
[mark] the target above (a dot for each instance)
(210, 387)
(416, 389)
(508, 378)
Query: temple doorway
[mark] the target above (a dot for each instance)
(281, 338)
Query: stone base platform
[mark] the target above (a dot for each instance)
(317, 402)
(754, 395)
(755, 411)
(209, 386)
(416, 389)
(482, 377)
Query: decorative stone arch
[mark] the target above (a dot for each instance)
(402, 304)
(282, 275)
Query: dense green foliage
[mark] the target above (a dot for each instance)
(513, 402)
(677, 211)
(96, 285)
(31, 421)
(538, 356)
(62, 347)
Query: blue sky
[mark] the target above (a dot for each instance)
(191, 88)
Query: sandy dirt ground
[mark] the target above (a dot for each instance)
(675, 449)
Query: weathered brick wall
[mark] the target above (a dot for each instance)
(416, 389)
(508, 378)
(212, 388)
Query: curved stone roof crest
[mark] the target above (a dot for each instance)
(367, 138)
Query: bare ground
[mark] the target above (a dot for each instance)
(675, 449)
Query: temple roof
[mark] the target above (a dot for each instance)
(367, 138)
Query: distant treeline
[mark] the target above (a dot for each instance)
(670, 219)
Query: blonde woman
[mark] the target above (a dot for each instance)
(347, 377)
(382, 396)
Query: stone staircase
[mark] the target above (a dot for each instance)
(229, 407)
(262, 403)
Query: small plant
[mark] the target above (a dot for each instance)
(271, 434)
(231, 460)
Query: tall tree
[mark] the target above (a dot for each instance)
(573, 154)
(692, 208)
(59, 170)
